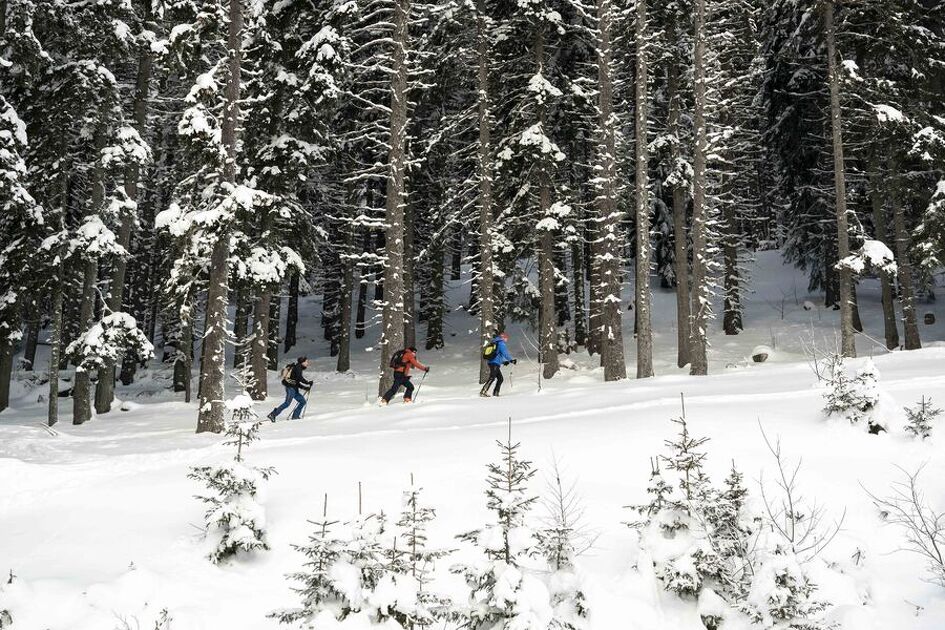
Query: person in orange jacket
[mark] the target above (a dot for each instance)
(402, 361)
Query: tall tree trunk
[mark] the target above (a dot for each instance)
(595, 312)
(609, 215)
(547, 331)
(292, 313)
(699, 310)
(275, 316)
(184, 355)
(393, 319)
(890, 329)
(855, 308)
(82, 383)
(359, 324)
(6, 370)
(241, 340)
(105, 389)
(213, 365)
(3, 17)
(579, 290)
(410, 300)
(32, 339)
(343, 363)
(847, 341)
(732, 314)
(484, 154)
(435, 308)
(456, 260)
(259, 348)
(680, 238)
(643, 253)
(910, 321)
(55, 343)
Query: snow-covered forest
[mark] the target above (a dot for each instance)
(712, 230)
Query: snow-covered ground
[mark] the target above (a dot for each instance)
(99, 527)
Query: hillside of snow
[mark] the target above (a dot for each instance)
(99, 528)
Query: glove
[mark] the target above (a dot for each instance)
(505, 363)
(514, 361)
(427, 370)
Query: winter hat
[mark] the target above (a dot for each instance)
(301, 360)
(412, 349)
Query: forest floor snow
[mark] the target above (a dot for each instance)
(100, 530)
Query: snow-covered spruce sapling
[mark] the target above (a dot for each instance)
(921, 417)
(502, 590)
(235, 521)
(856, 398)
(107, 341)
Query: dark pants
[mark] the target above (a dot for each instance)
(399, 380)
(495, 375)
(291, 393)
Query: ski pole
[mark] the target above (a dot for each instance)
(305, 408)
(416, 394)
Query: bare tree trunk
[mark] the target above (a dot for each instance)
(547, 332)
(105, 389)
(609, 215)
(410, 302)
(699, 311)
(213, 366)
(55, 343)
(847, 341)
(241, 338)
(393, 318)
(643, 253)
(579, 290)
(680, 238)
(910, 321)
(484, 153)
(344, 312)
(3, 17)
(82, 384)
(184, 356)
(259, 348)
(275, 317)
(292, 314)
(6, 370)
(595, 314)
(32, 339)
(890, 329)
(435, 305)
(732, 315)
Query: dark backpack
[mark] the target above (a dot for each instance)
(397, 360)
(489, 350)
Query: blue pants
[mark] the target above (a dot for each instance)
(291, 393)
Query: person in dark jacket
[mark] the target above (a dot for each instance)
(294, 384)
(402, 376)
(499, 358)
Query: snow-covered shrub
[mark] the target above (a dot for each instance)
(782, 595)
(854, 399)
(920, 418)
(505, 585)
(235, 521)
(107, 341)
(367, 577)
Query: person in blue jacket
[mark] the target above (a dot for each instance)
(499, 358)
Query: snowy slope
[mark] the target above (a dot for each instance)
(98, 524)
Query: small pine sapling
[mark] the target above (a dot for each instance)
(235, 521)
(854, 399)
(318, 588)
(782, 595)
(416, 563)
(921, 417)
(503, 593)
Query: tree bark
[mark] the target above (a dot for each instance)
(643, 249)
(343, 363)
(241, 326)
(847, 341)
(6, 370)
(579, 290)
(910, 321)
(105, 389)
(213, 366)
(292, 313)
(55, 343)
(680, 238)
(435, 306)
(393, 318)
(484, 166)
(890, 329)
(732, 313)
(32, 340)
(82, 383)
(699, 310)
(608, 213)
(410, 323)
(275, 315)
(258, 385)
